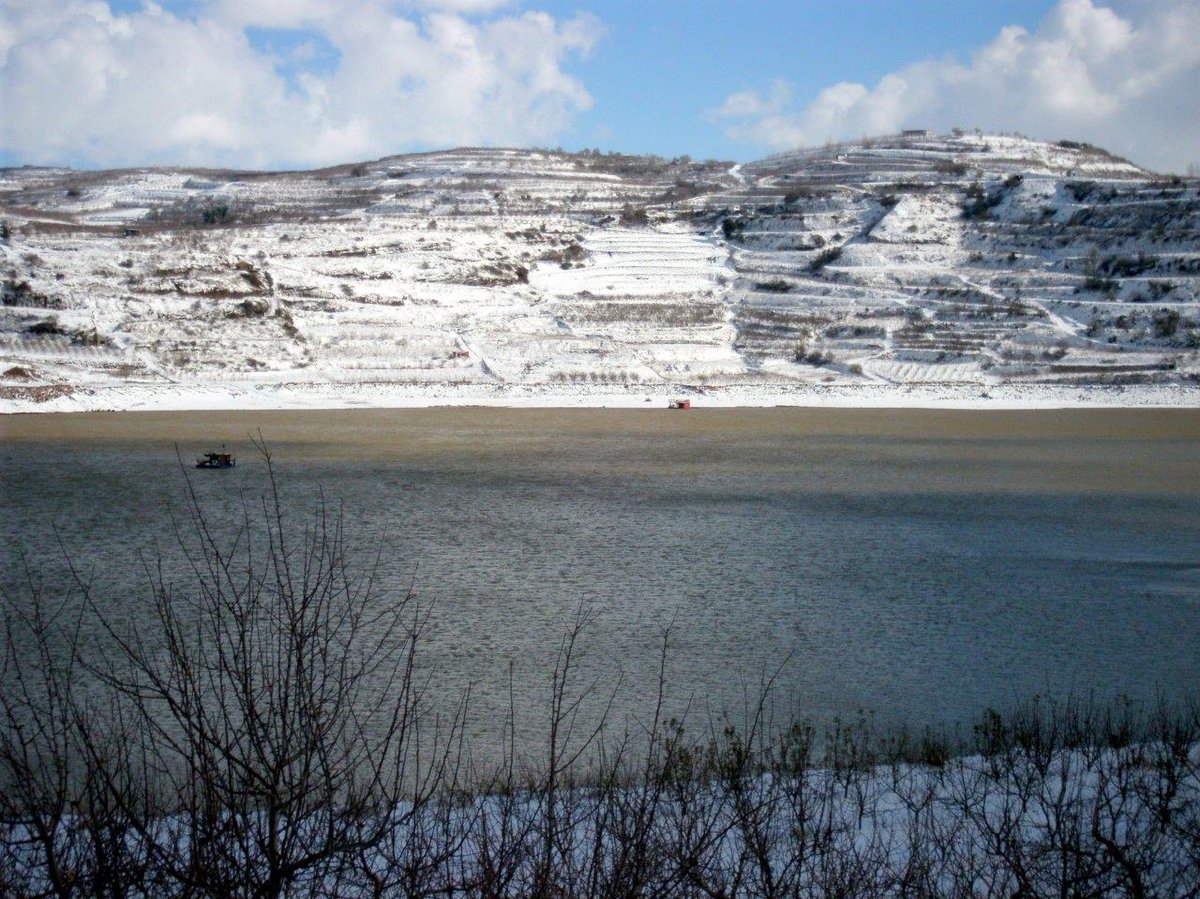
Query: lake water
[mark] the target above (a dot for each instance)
(917, 565)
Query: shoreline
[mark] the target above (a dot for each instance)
(234, 397)
(1137, 449)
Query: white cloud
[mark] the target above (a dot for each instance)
(750, 103)
(465, 6)
(83, 84)
(1129, 82)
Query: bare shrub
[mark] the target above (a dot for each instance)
(634, 216)
(259, 732)
(824, 258)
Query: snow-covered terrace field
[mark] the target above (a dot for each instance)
(962, 270)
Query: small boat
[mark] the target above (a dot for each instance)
(216, 460)
(679, 404)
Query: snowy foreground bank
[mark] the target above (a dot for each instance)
(266, 396)
(689, 820)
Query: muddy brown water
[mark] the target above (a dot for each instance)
(1136, 450)
(917, 564)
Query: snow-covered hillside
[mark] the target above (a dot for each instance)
(958, 267)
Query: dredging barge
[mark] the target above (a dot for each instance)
(216, 460)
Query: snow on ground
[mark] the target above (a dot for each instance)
(302, 396)
(964, 270)
(637, 262)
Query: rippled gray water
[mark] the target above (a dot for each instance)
(921, 578)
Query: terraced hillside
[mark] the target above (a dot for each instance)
(976, 259)
(980, 261)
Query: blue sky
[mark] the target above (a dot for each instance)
(661, 65)
(294, 83)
